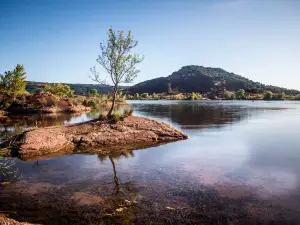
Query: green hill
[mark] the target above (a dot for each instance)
(204, 79)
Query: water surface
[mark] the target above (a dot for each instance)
(240, 165)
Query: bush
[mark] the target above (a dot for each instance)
(127, 112)
(116, 116)
(144, 95)
(229, 95)
(297, 97)
(155, 96)
(60, 89)
(240, 94)
(268, 95)
(91, 103)
(102, 117)
(195, 96)
(43, 101)
(137, 96)
(93, 92)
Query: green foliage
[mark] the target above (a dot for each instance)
(13, 83)
(116, 116)
(155, 96)
(297, 97)
(268, 95)
(195, 96)
(280, 96)
(229, 95)
(116, 59)
(255, 97)
(201, 79)
(127, 112)
(59, 89)
(91, 103)
(144, 95)
(240, 94)
(43, 101)
(170, 91)
(136, 96)
(94, 92)
(102, 117)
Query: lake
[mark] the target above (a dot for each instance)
(240, 165)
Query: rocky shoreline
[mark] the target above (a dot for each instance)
(94, 136)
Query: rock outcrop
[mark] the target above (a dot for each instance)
(103, 137)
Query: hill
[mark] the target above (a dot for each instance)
(204, 80)
(79, 89)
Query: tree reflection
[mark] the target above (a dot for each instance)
(8, 170)
(118, 187)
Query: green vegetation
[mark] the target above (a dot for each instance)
(103, 117)
(205, 80)
(240, 94)
(196, 96)
(144, 95)
(91, 103)
(116, 116)
(268, 95)
(229, 95)
(116, 59)
(59, 89)
(12, 83)
(93, 92)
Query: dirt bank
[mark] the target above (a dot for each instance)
(7, 221)
(133, 132)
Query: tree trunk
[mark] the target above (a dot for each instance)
(115, 175)
(113, 101)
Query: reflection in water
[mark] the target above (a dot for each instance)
(239, 166)
(9, 172)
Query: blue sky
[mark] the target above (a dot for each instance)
(58, 40)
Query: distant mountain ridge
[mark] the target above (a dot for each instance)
(79, 89)
(201, 79)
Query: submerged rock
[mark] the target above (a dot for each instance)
(102, 137)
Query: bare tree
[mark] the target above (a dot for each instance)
(117, 60)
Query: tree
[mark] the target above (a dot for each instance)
(60, 89)
(268, 95)
(13, 83)
(229, 95)
(240, 94)
(93, 92)
(116, 59)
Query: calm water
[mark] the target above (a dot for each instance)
(240, 165)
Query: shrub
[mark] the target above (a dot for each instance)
(229, 95)
(127, 112)
(155, 96)
(144, 95)
(297, 97)
(195, 96)
(268, 95)
(116, 117)
(59, 89)
(7, 104)
(93, 92)
(38, 91)
(240, 94)
(102, 117)
(91, 103)
(43, 101)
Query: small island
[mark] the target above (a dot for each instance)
(101, 137)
